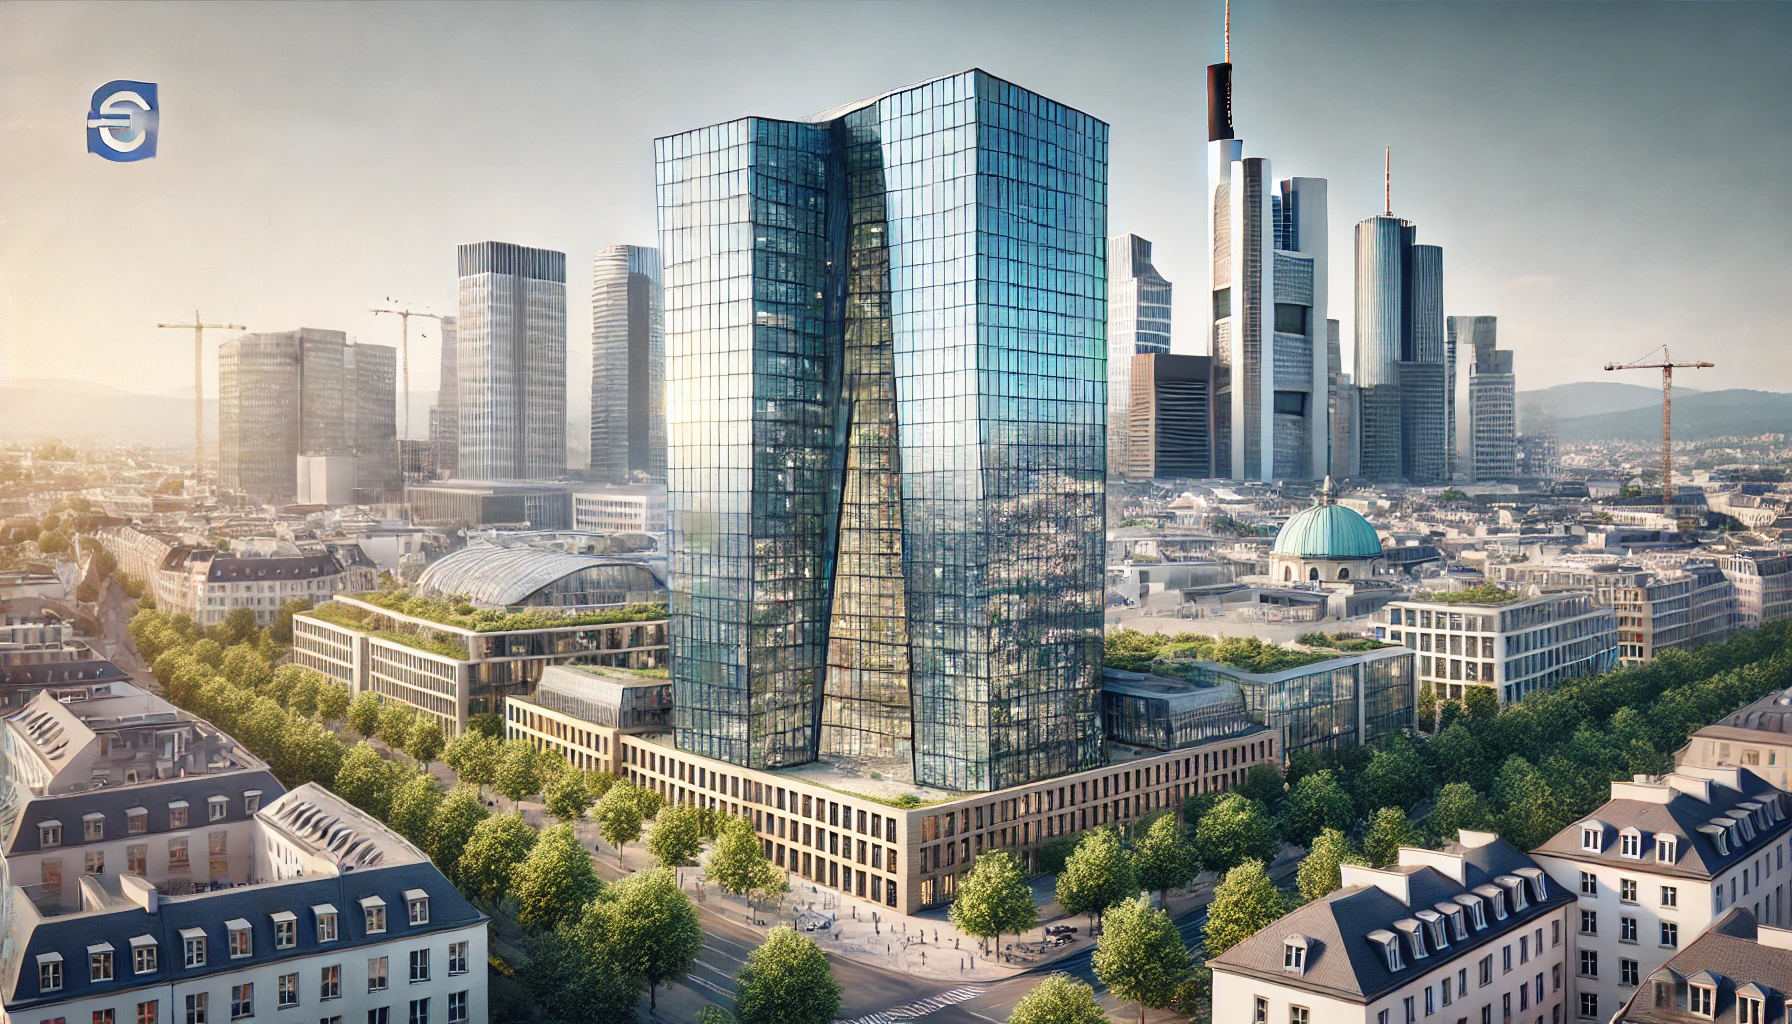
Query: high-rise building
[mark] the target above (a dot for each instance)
(885, 367)
(511, 366)
(1138, 324)
(1267, 247)
(1171, 409)
(444, 416)
(628, 365)
(1402, 362)
(1490, 444)
(305, 392)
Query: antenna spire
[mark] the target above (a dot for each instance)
(1387, 180)
(1228, 31)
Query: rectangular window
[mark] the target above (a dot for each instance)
(376, 917)
(376, 974)
(218, 806)
(93, 828)
(177, 814)
(1486, 970)
(419, 909)
(177, 854)
(1589, 963)
(419, 965)
(49, 975)
(1627, 971)
(1670, 935)
(329, 982)
(1260, 1011)
(457, 1004)
(1627, 890)
(242, 1001)
(242, 942)
(136, 858)
(99, 965)
(419, 1011)
(1626, 929)
(1670, 896)
(218, 859)
(196, 1008)
(143, 959)
(149, 1012)
(136, 821)
(289, 990)
(457, 958)
(326, 925)
(1299, 1015)
(1589, 885)
(286, 932)
(195, 950)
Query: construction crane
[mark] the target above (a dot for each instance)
(404, 318)
(1666, 365)
(199, 327)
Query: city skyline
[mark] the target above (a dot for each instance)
(1575, 282)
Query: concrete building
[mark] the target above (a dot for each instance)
(840, 825)
(326, 479)
(444, 416)
(577, 711)
(623, 508)
(454, 671)
(918, 581)
(538, 506)
(305, 392)
(1138, 325)
(1656, 611)
(1269, 283)
(1170, 428)
(1488, 450)
(628, 365)
(1740, 969)
(1763, 582)
(1656, 865)
(1474, 932)
(510, 372)
(1513, 647)
(1344, 411)
(1757, 738)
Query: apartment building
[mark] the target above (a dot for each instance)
(453, 671)
(260, 574)
(1763, 582)
(36, 656)
(1514, 646)
(1656, 865)
(1475, 934)
(1740, 970)
(337, 918)
(1758, 738)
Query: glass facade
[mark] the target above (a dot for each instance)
(1170, 714)
(886, 358)
(1403, 366)
(1329, 705)
(628, 365)
(1138, 324)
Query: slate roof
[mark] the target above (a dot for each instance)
(1696, 854)
(153, 796)
(1729, 950)
(1343, 962)
(92, 669)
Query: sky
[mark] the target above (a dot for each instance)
(1603, 177)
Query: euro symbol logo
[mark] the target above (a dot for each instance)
(121, 125)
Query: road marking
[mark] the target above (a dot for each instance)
(920, 1007)
(716, 970)
(709, 985)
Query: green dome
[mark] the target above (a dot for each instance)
(1328, 531)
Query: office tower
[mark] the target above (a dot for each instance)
(1170, 433)
(1267, 247)
(886, 394)
(511, 372)
(1491, 440)
(628, 365)
(1402, 366)
(305, 392)
(1138, 324)
(444, 416)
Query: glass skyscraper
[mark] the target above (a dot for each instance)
(628, 365)
(511, 371)
(1402, 365)
(886, 396)
(1138, 325)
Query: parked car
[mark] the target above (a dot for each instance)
(1060, 929)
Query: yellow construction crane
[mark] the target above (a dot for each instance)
(1666, 365)
(199, 327)
(404, 318)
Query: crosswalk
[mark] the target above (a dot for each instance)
(918, 1008)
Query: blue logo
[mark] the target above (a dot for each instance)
(122, 124)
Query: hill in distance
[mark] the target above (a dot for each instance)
(1589, 398)
(1698, 416)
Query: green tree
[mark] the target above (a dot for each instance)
(1394, 777)
(474, 758)
(566, 797)
(1529, 810)
(366, 780)
(1458, 807)
(424, 742)
(1244, 903)
(496, 846)
(1140, 955)
(1164, 859)
(1233, 831)
(1059, 999)
(676, 836)
(653, 929)
(518, 776)
(282, 627)
(308, 753)
(737, 861)
(1318, 802)
(245, 668)
(618, 817)
(487, 723)
(1479, 703)
(1263, 784)
(238, 627)
(414, 805)
(1097, 876)
(994, 899)
(555, 881)
(1319, 873)
(1427, 707)
(574, 978)
(457, 818)
(332, 701)
(364, 714)
(1388, 830)
(396, 721)
(210, 653)
(786, 981)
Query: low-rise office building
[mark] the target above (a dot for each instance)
(1655, 865)
(1656, 611)
(576, 711)
(1514, 646)
(1763, 582)
(1339, 702)
(620, 508)
(336, 918)
(1474, 932)
(453, 670)
(522, 577)
(540, 506)
(874, 835)
(1739, 970)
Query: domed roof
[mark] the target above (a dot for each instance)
(1328, 530)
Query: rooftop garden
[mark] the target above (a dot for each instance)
(1485, 593)
(1133, 651)
(430, 642)
(1341, 642)
(458, 611)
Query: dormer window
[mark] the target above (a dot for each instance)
(1751, 1004)
(1415, 937)
(1592, 838)
(325, 915)
(1666, 849)
(1390, 947)
(93, 827)
(1630, 843)
(217, 807)
(374, 910)
(1702, 1001)
(143, 954)
(49, 972)
(1294, 954)
(1458, 929)
(416, 903)
(177, 814)
(1434, 923)
(242, 938)
(286, 930)
(49, 834)
(1476, 908)
(1719, 836)
(251, 801)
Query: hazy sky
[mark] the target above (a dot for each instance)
(1603, 177)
